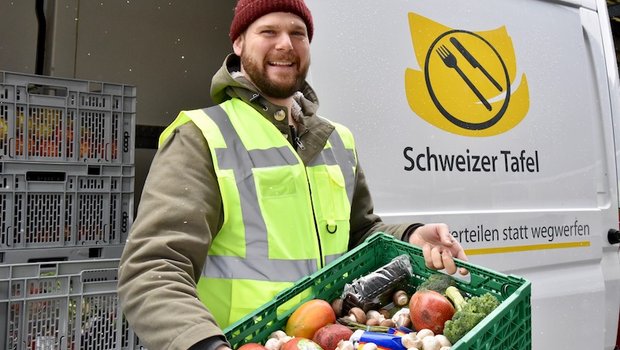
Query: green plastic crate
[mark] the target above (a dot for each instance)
(507, 327)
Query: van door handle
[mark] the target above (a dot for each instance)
(613, 236)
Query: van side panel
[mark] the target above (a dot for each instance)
(515, 149)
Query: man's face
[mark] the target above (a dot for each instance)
(275, 53)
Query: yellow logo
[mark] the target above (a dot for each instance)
(467, 83)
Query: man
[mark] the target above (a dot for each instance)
(246, 197)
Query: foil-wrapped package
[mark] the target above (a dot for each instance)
(375, 290)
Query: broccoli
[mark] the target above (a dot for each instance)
(468, 313)
(437, 282)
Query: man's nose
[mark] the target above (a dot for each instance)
(284, 42)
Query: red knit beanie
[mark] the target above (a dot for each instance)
(248, 11)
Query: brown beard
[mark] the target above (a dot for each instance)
(257, 75)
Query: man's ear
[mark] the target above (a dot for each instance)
(238, 45)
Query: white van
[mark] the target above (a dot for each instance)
(500, 118)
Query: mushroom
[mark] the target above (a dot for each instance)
(276, 340)
(430, 343)
(443, 340)
(423, 333)
(373, 318)
(337, 306)
(345, 345)
(279, 334)
(358, 315)
(374, 314)
(387, 323)
(401, 318)
(410, 340)
(369, 346)
(400, 298)
(372, 322)
(273, 344)
(385, 312)
(403, 321)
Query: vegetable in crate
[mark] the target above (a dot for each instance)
(430, 309)
(437, 282)
(330, 335)
(469, 312)
(309, 317)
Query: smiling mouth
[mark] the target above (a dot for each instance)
(281, 63)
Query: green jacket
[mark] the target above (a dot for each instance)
(181, 211)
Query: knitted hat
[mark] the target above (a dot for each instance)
(248, 11)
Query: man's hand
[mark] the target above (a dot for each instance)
(439, 247)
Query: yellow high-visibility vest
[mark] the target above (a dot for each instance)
(283, 220)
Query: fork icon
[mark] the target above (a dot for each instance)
(449, 60)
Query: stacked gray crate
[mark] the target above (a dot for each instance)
(66, 207)
(66, 168)
(63, 305)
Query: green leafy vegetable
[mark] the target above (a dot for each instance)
(469, 312)
(437, 282)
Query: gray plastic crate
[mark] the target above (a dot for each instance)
(64, 305)
(54, 119)
(52, 206)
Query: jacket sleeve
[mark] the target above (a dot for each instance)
(364, 222)
(179, 212)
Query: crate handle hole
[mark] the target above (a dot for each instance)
(46, 176)
(47, 90)
(95, 252)
(94, 170)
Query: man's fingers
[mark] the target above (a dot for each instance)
(437, 258)
(448, 262)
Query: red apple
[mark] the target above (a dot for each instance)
(429, 309)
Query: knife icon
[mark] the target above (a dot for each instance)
(474, 63)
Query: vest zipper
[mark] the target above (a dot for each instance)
(297, 144)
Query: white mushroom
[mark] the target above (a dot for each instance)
(423, 333)
(369, 346)
(430, 343)
(273, 344)
(278, 334)
(402, 317)
(374, 315)
(410, 340)
(345, 345)
(445, 348)
(400, 298)
(443, 340)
